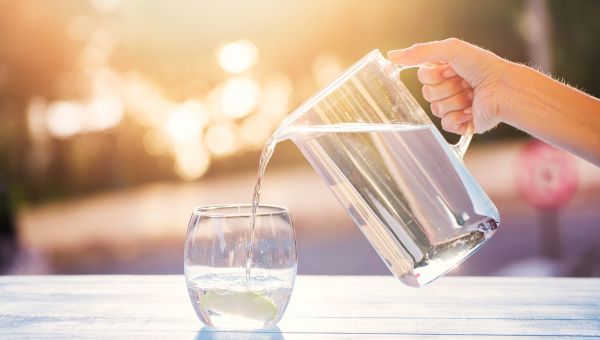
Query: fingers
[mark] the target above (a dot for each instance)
(445, 89)
(457, 121)
(455, 111)
(450, 96)
(443, 50)
(435, 74)
(457, 102)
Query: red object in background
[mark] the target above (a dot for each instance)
(546, 177)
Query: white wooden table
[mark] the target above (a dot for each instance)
(322, 306)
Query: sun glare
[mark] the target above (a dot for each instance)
(237, 112)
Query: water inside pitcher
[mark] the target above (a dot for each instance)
(404, 186)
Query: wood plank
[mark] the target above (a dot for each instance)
(209, 335)
(94, 306)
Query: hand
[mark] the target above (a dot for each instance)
(461, 81)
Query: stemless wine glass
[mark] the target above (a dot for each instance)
(215, 258)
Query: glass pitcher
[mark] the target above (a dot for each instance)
(404, 186)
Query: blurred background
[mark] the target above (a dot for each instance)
(118, 117)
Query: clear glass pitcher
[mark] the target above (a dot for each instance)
(404, 186)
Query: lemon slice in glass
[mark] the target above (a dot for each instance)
(249, 305)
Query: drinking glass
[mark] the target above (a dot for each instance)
(215, 258)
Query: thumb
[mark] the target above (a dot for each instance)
(443, 50)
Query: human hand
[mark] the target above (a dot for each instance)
(462, 82)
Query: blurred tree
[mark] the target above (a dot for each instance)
(33, 53)
(576, 49)
(8, 237)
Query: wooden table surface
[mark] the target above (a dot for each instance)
(322, 306)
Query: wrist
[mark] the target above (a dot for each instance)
(512, 78)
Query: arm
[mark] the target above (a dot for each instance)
(553, 112)
(469, 83)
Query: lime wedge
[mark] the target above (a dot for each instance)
(249, 305)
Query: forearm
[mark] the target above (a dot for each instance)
(551, 111)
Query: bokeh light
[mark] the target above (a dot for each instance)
(144, 100)
(103, 112)
(237, 56)
(36, 117)
(120, 96)
(236, 111)
(186, 122)
(63, 118)
(192, 161)
(221, 140)
(239, 96)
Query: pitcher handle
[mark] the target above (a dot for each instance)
(459, 148)
(463, 143)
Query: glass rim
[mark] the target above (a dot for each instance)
(219, 210)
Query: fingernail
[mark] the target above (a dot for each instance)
(471, 95)
(464, 84)
(396, 54)
(434, 109)
(449, 73)
(468, 111)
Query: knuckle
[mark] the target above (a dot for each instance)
(457, 85)
(416, 49)
(465, 84)
(455, 89)
(452, 45)
(460, 101)
(409, 52)
(465, 101)
(418, 46)
(452, 41)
